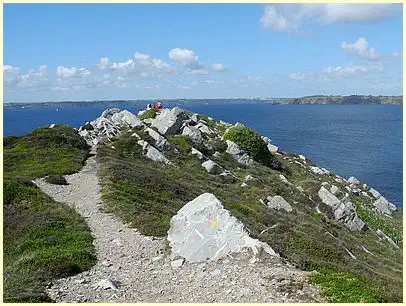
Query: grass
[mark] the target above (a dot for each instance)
(43, 239)
(147, 194)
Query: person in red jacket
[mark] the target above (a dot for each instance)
(158, 105)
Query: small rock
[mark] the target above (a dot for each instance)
(353, 180)
(52, 126)
(106, 263)
(177, 263)
(106, 284)
(244, 184)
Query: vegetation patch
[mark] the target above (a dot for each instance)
(253, 144)
(43, 239)
(147, 194)
(148, 114)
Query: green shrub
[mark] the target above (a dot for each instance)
(251, 142)
(56, 179)
(181, 142)
(151, 113)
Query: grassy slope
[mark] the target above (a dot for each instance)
(43, 239)
(147, 194)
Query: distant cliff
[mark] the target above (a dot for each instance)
(354, 99)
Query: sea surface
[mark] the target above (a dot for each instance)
(364, 141)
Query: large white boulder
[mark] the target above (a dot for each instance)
(384, 206)
(271, 147)
(170, 120)
(203, 230)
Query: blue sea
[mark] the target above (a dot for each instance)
(364, 141)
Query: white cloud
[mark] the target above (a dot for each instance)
(218, 67)
(186, 58)
(338, 72)
(291, 17)
(196, 71)
(65, 72)
(32, 80)
(397, 54)
(360, 47)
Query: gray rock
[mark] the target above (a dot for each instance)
(343, 211)
(152, 153)
(169, 121)
(198, 154)
(195, 117)
(238, 154)
(353, 180)
(203, 230)
(212, 167)
(204, 128)
(125, 117)
(302, 157)
(278, 203)
(160, 142)
(244, 184)
(52, 126)
(300, 188)
(193, 133)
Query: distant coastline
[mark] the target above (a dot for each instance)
(317, 99)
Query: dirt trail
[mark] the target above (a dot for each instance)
(137, 265)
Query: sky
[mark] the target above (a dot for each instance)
(78, 52)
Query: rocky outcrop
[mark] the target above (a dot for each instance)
(384, 206)
(238, 154)
(343, 211)
(109, 124)
(193, 133)
(203, 230)
(160, 142)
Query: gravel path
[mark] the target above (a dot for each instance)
(140, 272)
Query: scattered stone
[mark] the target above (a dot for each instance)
(302, 157)
(244, 184)
(248, 178)
(212, 167)
(300, 188)
(203, 230)
(324, 183)
(278, 203)
(52, 126)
